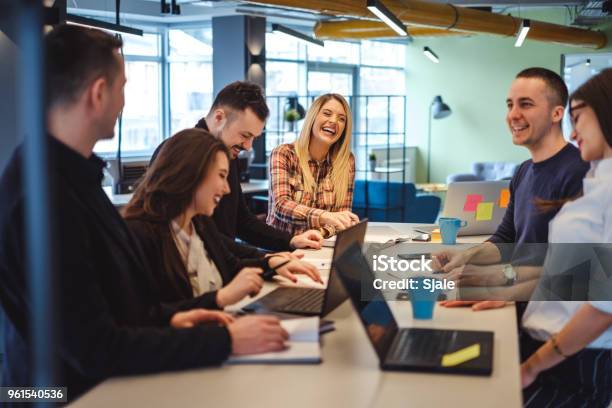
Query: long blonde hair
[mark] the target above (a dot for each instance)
(340, 152)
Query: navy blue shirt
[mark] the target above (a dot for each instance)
(557, 177)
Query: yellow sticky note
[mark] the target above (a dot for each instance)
(484, 212)
(504, 198)
(461, 356)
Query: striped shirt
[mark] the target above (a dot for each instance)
(290, 207)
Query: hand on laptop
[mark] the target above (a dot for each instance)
(295, 267)
(247, 282)
(257, 334)
(190, 318)
(475, 304)
(307, 239)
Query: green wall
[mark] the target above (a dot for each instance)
(473, 77)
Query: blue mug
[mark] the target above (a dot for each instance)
(423, 299)
(449, 228)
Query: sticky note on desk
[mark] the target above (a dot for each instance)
(471, 202)
(484, 212)
(504, 198)
(461, 356)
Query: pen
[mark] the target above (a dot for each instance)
(270, 272)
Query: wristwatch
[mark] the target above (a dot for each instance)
(510, 275)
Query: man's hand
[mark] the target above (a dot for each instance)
(295, 267)
(475, 304)
(190, 318)
(448, 260)
(308, 239)
(247, 282)
(477, 275)
(257, 334)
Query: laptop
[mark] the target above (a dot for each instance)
(312, 301)
(481, 203)
(406, 349)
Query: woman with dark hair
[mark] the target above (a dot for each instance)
(568, 343)
(170, 216)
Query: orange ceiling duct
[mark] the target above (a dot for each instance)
(364, 29)
(448, 16)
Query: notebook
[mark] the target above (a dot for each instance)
(303, 345)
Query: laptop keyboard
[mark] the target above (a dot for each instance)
(421, 345)
(311, 301)
(294, 300)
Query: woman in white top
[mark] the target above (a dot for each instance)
(568, 344)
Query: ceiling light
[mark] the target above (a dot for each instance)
(431, 55)
(379, 9)
(277, 28)
(522, 34)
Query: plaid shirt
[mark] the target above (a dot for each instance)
(294, 210)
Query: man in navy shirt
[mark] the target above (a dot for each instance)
(536, 104)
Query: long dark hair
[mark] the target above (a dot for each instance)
(597, 94)
(168, 186)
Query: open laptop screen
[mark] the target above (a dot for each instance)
(377, 318)
(335, 293)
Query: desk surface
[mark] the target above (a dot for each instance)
(348, 376)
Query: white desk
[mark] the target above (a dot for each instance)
(349, 375)
(253, 186)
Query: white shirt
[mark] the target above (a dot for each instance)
(202, 271)
(585, 220)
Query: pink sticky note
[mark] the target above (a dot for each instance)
(471, 202)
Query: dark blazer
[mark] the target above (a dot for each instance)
(168, 269)
(110, 321)
(234, 218)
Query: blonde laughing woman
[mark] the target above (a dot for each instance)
(312, 179)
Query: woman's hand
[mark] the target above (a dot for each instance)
(184, 320)
(340, 220)
(257, 334)
(295, 255)
(294, 267)
(528, 374)
(307, 239)
(247, 282)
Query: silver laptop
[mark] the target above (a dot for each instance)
(481, 203)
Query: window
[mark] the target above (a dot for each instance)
(384, 54)
(191, 80)
(334, 51)
(141, 120)
(153, 109)
(371, 74)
